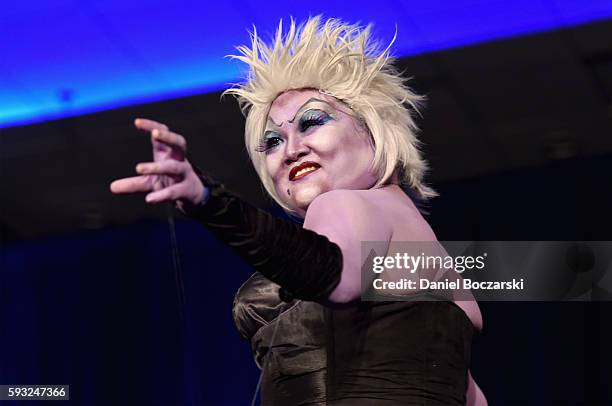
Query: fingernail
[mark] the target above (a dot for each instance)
(155, 133)
(140, 168)
(149, 199)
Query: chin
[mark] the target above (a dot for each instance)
(305, 194)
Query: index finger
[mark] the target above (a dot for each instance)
(149, 125)
(132, 185)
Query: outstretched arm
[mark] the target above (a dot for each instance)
(304, 263)
(170, 177)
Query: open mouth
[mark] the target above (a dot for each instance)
(302, 170)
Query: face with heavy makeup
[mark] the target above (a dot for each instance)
(313, 144)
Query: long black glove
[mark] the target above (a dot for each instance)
(305, 264)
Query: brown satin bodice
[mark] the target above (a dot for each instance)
(383, 353)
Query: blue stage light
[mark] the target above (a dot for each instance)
(64, 58)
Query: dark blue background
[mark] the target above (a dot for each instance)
(99, 310)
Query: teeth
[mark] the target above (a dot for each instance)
(304, 170)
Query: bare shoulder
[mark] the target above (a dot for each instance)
(355, 211)
(341, 200)
(356, 205)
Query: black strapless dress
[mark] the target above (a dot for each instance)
(369, 353)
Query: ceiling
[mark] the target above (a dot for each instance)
(493, 107)
(65, 58)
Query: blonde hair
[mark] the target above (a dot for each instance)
(342, 61)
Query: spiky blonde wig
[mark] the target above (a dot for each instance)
(342, 61)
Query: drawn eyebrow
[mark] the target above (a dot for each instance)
(312, 99)
(273, 123)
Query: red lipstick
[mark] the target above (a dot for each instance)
(293, 173)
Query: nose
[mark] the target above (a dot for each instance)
(295, 149)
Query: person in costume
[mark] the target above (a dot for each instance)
(330, 131)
